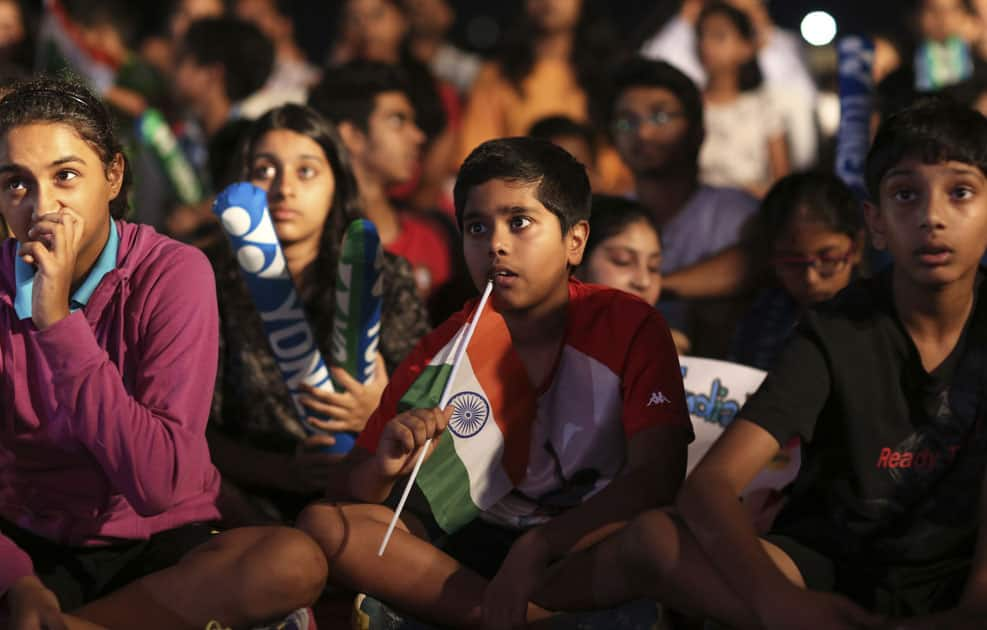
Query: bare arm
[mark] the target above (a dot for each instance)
(371, 477)
(655, 468)
(728, 273)
(708, 503)
(364, 481)
(656, 460)
(778, 158)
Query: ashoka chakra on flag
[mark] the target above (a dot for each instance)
(470, 413)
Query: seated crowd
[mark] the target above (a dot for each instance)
(498, 272)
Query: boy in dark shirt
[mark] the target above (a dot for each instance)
(885, 387)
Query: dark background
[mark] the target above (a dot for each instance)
(479, 21)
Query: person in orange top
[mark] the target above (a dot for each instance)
(555, 62)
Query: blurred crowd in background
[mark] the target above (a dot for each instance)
(185, 77)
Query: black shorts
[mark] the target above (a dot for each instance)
(79, 575)
(894, 591)
(478, 545)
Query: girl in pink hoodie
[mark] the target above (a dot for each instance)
(108, 354)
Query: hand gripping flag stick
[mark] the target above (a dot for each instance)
(443, 402)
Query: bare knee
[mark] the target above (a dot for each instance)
(332, 525)
(285, 570)
(784, 563)
(649, 545)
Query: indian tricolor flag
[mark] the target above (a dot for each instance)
(483, 453)
(63, 45)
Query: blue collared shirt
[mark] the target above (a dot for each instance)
(24, 273)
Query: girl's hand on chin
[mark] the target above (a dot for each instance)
(54, 249)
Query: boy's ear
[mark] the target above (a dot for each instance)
(353, 137)
(575, 242)
(875, 224)
(114, 175)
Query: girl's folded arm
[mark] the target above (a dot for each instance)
(150, 442)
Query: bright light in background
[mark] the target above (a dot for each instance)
(818, 28)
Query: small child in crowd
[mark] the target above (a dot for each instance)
(624, 252)
(813, 228)
(606, 440)
(745, 137)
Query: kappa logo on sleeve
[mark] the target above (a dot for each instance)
(658, 398)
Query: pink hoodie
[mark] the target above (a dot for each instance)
(103, 415)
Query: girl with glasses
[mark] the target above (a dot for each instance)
(812, 227)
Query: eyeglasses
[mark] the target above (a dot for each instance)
(825, 266)
(631, 123)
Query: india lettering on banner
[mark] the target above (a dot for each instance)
(715, 407)
(715, 391)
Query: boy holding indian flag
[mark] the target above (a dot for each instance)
(566, 415)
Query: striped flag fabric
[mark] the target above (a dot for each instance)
(62, 44)
(483, 453)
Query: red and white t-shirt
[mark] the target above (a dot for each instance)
(617, 374)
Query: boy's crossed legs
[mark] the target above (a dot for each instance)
(654, 557)
(413, 574)
(657, 557)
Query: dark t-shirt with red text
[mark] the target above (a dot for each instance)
(893, 455)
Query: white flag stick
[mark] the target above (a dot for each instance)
(443, 401)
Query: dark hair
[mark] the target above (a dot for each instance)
(593, 53)
(641, 72)
(818, 197)
(65, 101)
(934, 130)
(224, 153)
(345, 206)
(416, 81)
(244, 52)
(612, 215)
(22, 57)
(283, 7)
(348, 93)
(563, 127)
(119, 15)
(423, 92)
(563, 186)
(749, 74)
